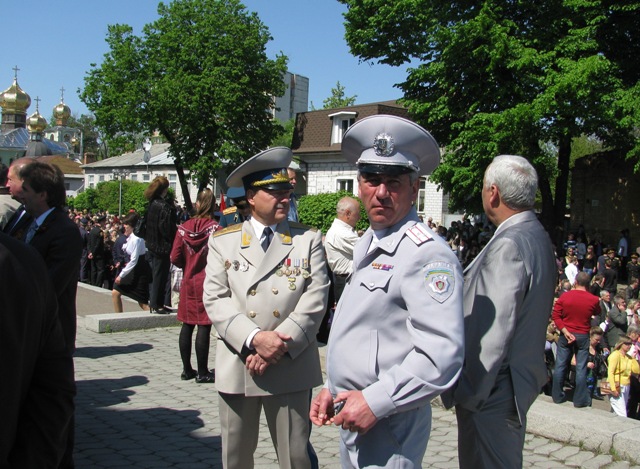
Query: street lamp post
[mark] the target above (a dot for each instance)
(120, 173)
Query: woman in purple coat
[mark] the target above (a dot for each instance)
(189, 253)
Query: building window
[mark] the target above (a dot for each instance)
(90, 177)
(134, 177)
(101, 178)
(172, 181)
(344, 185)
(341, 121)
(145, 177)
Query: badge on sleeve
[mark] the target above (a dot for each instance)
(439, 280)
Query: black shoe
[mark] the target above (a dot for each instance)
(597, 398)
(187, 375)
(168, 308)
(159, 311)
(208, 378)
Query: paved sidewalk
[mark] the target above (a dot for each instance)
(134, 411)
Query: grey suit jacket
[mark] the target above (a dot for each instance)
(246, 288)
(508, 295)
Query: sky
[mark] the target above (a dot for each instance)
(53, 44)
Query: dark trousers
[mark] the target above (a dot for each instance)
(97, 271)
(580, 347)
(160, 266)
(634, 398)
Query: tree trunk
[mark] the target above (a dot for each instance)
(562, 184)
(183, 184)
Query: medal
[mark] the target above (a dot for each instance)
(292, 286)
(236, 265)
(227, 264)
(244, 266)
(305, 274)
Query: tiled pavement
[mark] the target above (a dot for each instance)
(134, 411)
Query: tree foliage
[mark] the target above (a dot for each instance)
(319, 210)
(105, 197)
(338, 98)
(200, 76)
(509, 77)
(286, 136)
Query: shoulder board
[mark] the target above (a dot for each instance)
(301, 226)
(419, 234)
(229, 210)
(228, 229)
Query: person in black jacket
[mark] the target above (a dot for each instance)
(161, 221)
(36, 398)
(95, 248)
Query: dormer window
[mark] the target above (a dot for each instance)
(341, 121)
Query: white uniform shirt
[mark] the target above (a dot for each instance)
(135, 248)
(338, 244)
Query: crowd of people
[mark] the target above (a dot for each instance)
(592, 338)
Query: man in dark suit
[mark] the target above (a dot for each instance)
(95, 248)
(20, 221)
(58, 241)
(36, 398)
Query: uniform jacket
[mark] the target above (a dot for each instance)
(230, 216)
(397, 333)
(59, 243)
(508, 294)
(246, 288)
(189, 253)
(36, 397)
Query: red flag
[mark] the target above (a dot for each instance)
(223, 205)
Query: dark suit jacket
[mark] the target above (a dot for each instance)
(59, 243)
(95, 242)
(18, 230)
(36, 395)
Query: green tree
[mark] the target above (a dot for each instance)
(509, 77)
(200, 76)
(319, 210)
(338, 98)
(284, 139)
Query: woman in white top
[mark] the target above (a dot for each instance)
(133, 280)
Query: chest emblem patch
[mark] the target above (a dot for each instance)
(439, 280)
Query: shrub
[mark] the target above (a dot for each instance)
(320, 210)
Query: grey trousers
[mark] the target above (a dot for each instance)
(398, 441)
(491, 438)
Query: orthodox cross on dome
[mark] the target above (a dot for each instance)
(62, 95)
(15, 69)
(37, 100)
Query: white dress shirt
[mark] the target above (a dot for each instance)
(338, 244)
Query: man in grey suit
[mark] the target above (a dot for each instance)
(266, 292)
(508, 294)
(397, 336)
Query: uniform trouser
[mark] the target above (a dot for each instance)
(491, 438)
(287, 416)
(398, 441)
(97, 272)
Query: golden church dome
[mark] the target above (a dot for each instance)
(61, 113)
(14, 99)
(36, 123)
